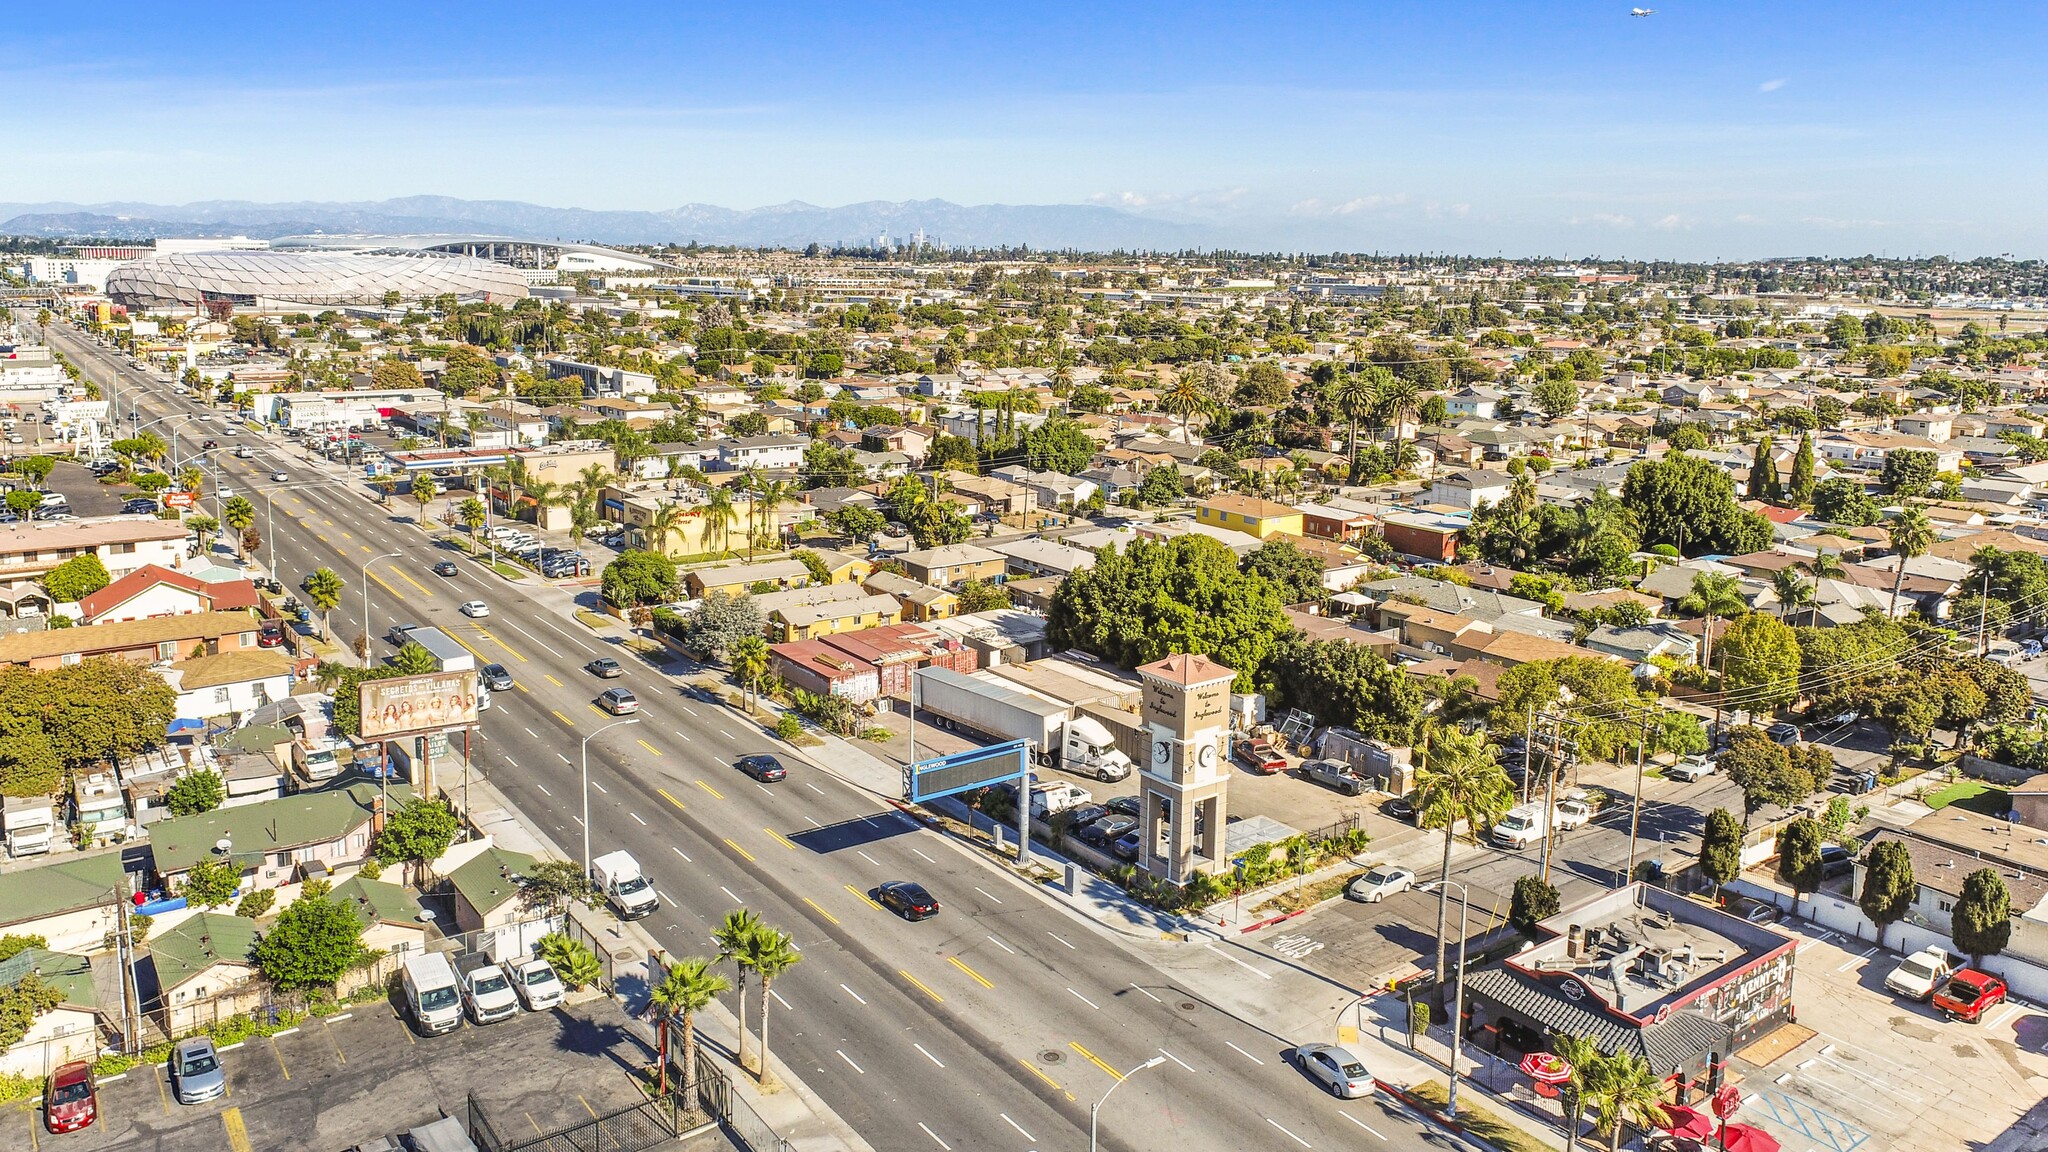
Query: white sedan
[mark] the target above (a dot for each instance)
(1379, 883)
(1340, 1072)
(278, 478)
(475, 609)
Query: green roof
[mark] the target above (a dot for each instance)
(271, 826)
(28, 894)
(199, 943)
(486, 881)
(256, 738)
(377, 901)
(69, 974)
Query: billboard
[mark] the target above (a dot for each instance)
(406, 705)
(965, 771)
(179, 499)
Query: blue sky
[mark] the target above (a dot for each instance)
(1724, 129)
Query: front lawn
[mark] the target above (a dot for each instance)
(1977, 796)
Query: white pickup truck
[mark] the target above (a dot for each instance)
(1920, 974)
(1690, 769)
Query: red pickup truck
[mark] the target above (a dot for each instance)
(1969, 994)
(1260, 757)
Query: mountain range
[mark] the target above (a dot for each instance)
(794, 224)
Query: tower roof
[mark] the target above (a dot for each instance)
(1187, 669)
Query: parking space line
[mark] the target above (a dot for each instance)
(587, 1107)
(279, 1053)
(238, 1132)
(332, 1039)
(162, 1093)
(1852, 961)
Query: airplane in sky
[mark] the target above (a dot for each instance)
(1642, 11)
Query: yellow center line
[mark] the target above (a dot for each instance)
(522, 688)
(715, 793)
(563, 719)
(595, 708)
(387, 587)
(651, 748)
(238, 1132)
(820, 911)
(551, 679)
(956, 962)
(780, 837)
(919, 985)
(364, 547)
(400, 573)
(1092, 1058)
(863, 897)
(1035, 1070)
(348, 536)
(329, 523)
(486, 634)
(669, 798)
(321, 537)
(734, 845)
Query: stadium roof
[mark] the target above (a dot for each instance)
(522, 252)
(313, 278)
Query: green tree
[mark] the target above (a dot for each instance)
(22, 1003)
(687, 987)
(413, 659)
(1763, 771)
(572, 959)
(1347, 684)
(1298, 575)
(1154, 599)
(211, 882)
(735, 940)
(12, 945)
(392, 373)
(982, 596)
(1909, 472)
(638, 578)
(76, 578)
(323, 590)
(1760, 661)
(720, 623)
(1457, 782)
(1840, 500)
(1534, 901)
(1583, 1055)
(1625, 1090)
(1715, 596)
(1058, 445)
(472, 513)
(23, 502)
(422, 491)
(1799, 855)
(1888, 885)
(1690, 503)
(1981, 922)
(1687, 438)
(1792, 591)
(1162, 486)
(1555, 398)
(856, 522)
(1800, 492)
(550, 886)
(312, 943)
(1912, 534)
(1721, 847)
(770, 955)
(1763, 473)
(749, 656)
(195, 792)
(239, 515)
(419, 831)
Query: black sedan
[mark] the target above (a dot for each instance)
(445, 568)
(907, 899)
(604, 668)
(766, 769)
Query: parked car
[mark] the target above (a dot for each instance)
(1835, 860)
(475, 609)
(1124, 805)
(270, 634)
(1691, 769)
(1127, 845)
(604, 668)
(1260, 756)
(1784, 732)
(400, 633)
(72, 1100)
(1918, 975)
(196, 1073)
(496, 677)
(1082, 815)
(1336, 1069)
(619, 701)
(766, 769)
(539, 987)
(1337, 775)
(907, 899)
(1969, 994)
(1106, 831)
(1379, 883)
(445, 568)
(1400, 808)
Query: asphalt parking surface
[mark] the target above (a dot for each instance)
(333, 1084)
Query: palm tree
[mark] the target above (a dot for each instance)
(1193, 390)
(238, 514)
(1826, 566)
(771, 495)
(1912, 534)
(720, 516)
(473, 515)
(668, 516)
(1624, 1090)
(1458, 781)
(1791, 589)
(1356, 396)
(323, 591)
(749, 656)
(687, 987)
(1715, 596)
(1584, 1057)
(751, 483)
(773, 955)
(1399, 401)
(735, 943)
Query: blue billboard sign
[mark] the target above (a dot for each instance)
(966, 771)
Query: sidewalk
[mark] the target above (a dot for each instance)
(1500, 1087)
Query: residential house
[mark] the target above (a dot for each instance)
(999, 496)
(1640, 645)
(276, 843)
(804, 613)
(1431, 630)
(69, 901)
(1329, 522)
(740, 579)
(488, 892)
(1469, 490)
(912, 441)
(817, 667)
(160, 640)
(1251, 515)
(1478, 402)
(192, 964)
(388, 912)
(67, 1032)
(951, 565)
(1512, 648)
(1052, 489)
(1935, 426)
(230, 683)
(1424, 535)
(1036, 556)
(918, 600)
(768, 453)
(1869, 449)
(123, 543)
(152, 591)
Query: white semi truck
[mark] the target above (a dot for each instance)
(1059, 736)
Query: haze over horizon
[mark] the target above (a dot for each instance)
(1728, 131)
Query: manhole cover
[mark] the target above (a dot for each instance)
(1187, 1005)
(1051, 1056)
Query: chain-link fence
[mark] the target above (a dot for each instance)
(634, 1128)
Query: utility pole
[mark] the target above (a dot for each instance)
(1983, 605)
(1635, 811)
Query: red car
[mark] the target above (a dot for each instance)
(71, 1102)
(270, 634)
(1259, 756)
(1969, 994)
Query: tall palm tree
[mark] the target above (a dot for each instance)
(687, 987)
(1826, 566)
(771, 496)
(720, 515)
(1624, 1090)
(1715, 596)
(1458, 781)
(735, 944)
(749, 655)
(1400, 401)
(773, 954)
(323, 591)
(1584, 1056)
(750, 483)
(1356, 396)
(1792, 591)
(1194, 388)
(668, 516)
(1912, 534)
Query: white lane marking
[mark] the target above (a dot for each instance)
(764, 788)
(1239, 963)
(1084, 1000)
(680, 852)
(511, 761)
(1175, 1059)
(779, 1000)
(849, 1062)
(1060, 938)
(690, 710)
(729, 895)
(1148, 995)
(679, 732)
(724, 733)
(927, 1055)
(928, 859)
(1018, 1127)
(578, 820)
(814, 822)
(990, 895)
(671, 900)
(851, 992)
(1361, 1124)
(565, 759)
(814, 788)
(1003, 946)
(686, 739)
(1245, 1054)
(945, 1147)
(530, 636)
(544, 789)
(600, 787)
(636, 816)
(868, 858)
(532, 733)
(1290, 1135)
(1852, 961)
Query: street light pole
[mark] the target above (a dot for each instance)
(1096, 1107)
(366, 601)
(1458, 1007)
(586, 783)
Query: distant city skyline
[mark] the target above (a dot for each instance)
(1724, 131)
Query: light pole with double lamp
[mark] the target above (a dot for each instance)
(1096, 1107)
(366, 601)
(586, 783)
(1458, 1008)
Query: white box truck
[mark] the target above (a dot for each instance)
(1059, 738)
(448, 653)
(626, 888)
(31, 825)
(432, 993)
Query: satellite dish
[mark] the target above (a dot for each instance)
(224, 845)
(427, 916)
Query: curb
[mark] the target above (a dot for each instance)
(1271, 920)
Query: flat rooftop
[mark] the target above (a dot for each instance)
(1643, 946)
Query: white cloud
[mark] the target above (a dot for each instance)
(1771, 85)
(1668, 223)
(1351, 207)
(1607, 219)
(1746, 218)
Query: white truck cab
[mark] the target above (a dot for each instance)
(627, 889)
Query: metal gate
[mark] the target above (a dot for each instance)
(634, 1128)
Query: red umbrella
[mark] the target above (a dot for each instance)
(1689, 1123)
(1747, 1138)
(1546, 1068)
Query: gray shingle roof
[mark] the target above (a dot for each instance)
(1675, 1043)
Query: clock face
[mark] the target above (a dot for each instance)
(1161, 752)
(1207, 755)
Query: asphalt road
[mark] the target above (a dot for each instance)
(992, 1026)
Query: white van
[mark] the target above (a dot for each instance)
(432, 994)
(1523, 825)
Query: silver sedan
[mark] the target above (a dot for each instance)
(1336, 1069)
(1379, 883)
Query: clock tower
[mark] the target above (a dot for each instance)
(1187, 771)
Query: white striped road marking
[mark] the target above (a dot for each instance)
(985, 892)
(850, 1063)
(945, 1147)
(532, 733)
(1361, 1123)
(511, 761)
(814, 822)
(724, 733)
(2002, 1017)
(636, 816)
(729, 895)
(544, 789)
(779, 1000)
(1175, 1059)
(851, 992)
(671, 900)
(684, 855)
(600, 787)
(927, 1055)
(1084, 1000)
(679, 732)
(868, 858)
(1290, 1135)
(764, 788)
(1236, 961)
(1018, 1127)
(1003, 946)
(1148, 995)
(1245, 1054)
(928, 859)
(814, 788)
(565, 759)
(1852, 961)
(1060, 938)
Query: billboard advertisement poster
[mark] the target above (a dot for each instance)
(411, 704)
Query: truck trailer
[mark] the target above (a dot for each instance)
(1057, 735)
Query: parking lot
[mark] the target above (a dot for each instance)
(335, 1083)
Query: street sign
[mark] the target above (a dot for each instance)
(180, 499)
